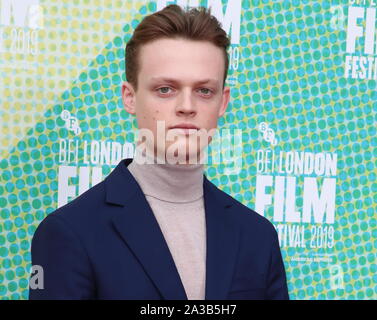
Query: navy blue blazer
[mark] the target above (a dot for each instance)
(107, 244)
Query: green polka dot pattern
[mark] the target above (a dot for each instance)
(72, 35)
(290, 75)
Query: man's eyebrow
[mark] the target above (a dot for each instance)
(171, 80)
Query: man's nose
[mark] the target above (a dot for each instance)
(186, 104)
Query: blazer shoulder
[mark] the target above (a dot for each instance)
(244, 214)
(91, 198)
(84, 209)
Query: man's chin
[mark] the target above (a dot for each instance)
(183, 155)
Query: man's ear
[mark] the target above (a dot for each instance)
(225, 101)
(128, 97)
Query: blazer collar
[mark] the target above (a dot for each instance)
(150, 247)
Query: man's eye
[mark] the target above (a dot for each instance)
(206, 91)
(163, 89)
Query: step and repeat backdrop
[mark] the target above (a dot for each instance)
(303, 96)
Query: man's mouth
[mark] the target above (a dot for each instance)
(186, 128)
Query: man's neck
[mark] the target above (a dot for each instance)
(169, 182)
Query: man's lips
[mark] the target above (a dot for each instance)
(186, 128)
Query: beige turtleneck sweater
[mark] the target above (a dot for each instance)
(175, 194)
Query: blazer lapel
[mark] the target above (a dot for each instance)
(222, 242)
(139, 229)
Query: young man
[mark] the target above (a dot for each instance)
(156, 227)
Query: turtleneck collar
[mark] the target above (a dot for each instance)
(169, 182)
(166, 181)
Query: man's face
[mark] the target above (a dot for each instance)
(173, 87)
